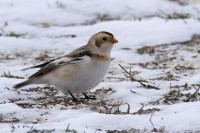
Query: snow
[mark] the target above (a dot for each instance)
(52, 28)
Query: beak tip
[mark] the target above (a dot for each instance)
(115, 41)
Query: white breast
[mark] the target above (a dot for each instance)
(90, 76)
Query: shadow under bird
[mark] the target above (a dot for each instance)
(79, 71)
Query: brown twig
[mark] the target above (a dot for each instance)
(193, 95)
(130, 76)
(154, 129)
(128, 109)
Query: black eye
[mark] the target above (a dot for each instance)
(104, 38)
(81, 54)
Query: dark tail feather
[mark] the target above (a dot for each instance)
(22, 84)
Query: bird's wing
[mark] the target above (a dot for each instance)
(40, 65)
(54, 65)
(72, 58)
(78, 52)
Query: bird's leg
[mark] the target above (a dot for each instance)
(74, 98)
(87, 97)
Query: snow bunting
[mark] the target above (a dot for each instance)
(79, 71)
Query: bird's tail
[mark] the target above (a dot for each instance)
(22, 84)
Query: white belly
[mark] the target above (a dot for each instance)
(78, 78)
(90, 78)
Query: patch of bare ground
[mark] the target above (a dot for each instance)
(179, 94)
(175, 59)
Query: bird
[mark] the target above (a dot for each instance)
(79, 71)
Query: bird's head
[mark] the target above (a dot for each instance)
(102, 42)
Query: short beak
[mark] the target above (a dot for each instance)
(114, 40)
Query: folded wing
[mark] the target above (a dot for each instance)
(72, 58)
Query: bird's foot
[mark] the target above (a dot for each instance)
(87, 97)
(73, 97)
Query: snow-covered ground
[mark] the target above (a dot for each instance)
(159, 47)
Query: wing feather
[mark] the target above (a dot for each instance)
(82, 51)
(40, 65)
(54, 65)
(71, 58)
